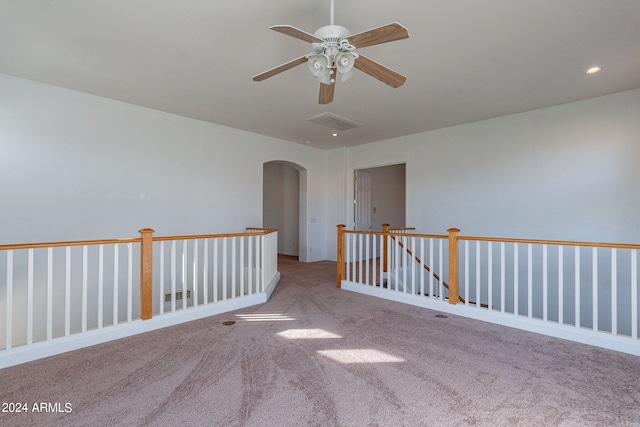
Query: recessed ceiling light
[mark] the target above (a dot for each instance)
(334, 134)
(593, 70)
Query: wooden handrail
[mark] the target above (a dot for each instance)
(263, 230)
(400, 230)
(19, 246)
(72, 243)
(382, 233)
(211, 236)
(146, 240)
(551, 242)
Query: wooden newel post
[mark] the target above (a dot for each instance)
(385, 250)
(454, 294)
(146, 273)
(340, 256)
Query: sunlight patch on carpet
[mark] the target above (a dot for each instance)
(264, 317)
(307, 334)
(364, 355)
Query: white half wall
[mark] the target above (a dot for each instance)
(75, 166)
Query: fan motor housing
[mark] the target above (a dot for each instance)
(332, 33)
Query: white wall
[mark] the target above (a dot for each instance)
(75, 166)
(568, 172)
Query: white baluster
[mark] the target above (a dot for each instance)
(478, 292)
(516, 281)
(489, 276)
(215, 269)
(129, 282)
(359, 255)
(250, 265)
(577, 286)
(258, 267)
(614, 291)
(354, 259)
(560, 285)
(9, 313)
(224, 269)
(84, 287)
(116, 285)
(243, 290)
(49, 293)
(396, 260)
(441, 269)
(381, 266)
(466, 272)
(413, 263)
(374, 264)
(100, 284)
(404, 256)
(173, 276)
(67, 294)
(183, 288)
(530, 280)
(205, 272)
(478, 305)
(502, 277)
(545, 271)
(634, 294)
(233, 267)
(195, 273)
(431, 266)
(263, 284)
(30, 298)
(366, 259)
(421, 266)
(594, 287)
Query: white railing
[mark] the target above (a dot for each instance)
(65, 292)
(55, 290)
(401, 263)
(582, 285)
(586, 292)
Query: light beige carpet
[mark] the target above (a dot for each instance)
(316, 355)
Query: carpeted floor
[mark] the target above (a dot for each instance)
(316, 355)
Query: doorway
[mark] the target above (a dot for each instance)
(379, 197)
(284, 206)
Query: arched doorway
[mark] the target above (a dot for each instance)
(284, 206)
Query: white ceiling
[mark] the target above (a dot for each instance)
(465, 60)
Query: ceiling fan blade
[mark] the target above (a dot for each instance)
(386, 33)
(326, 92)
(297, 33)
(284, 67)
(380, 72)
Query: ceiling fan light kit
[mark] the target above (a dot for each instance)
(334, 53)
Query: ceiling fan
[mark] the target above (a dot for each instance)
(334, 52)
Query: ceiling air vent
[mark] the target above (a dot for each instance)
(332, 121)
